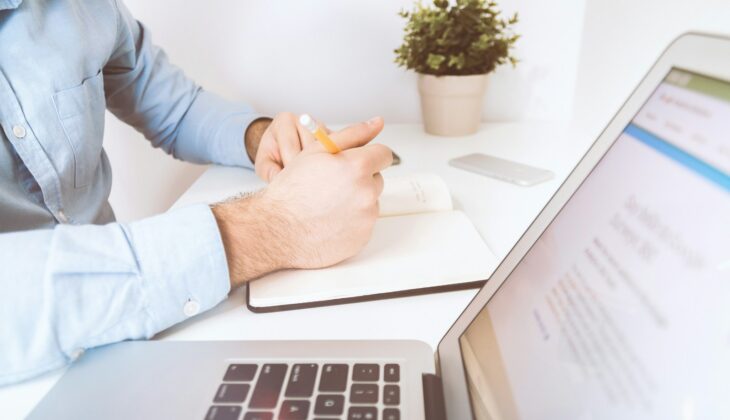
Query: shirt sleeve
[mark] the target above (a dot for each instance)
(75, 287)
(145, 90)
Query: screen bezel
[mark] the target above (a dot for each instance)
(694, 52)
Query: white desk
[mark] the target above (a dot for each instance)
(501, 212)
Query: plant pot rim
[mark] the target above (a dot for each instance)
(467, 85)
(452, 75)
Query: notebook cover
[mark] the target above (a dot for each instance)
(365, 298)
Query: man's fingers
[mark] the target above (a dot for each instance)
(306, 137)
(289, 144)
(379, 183)
(373, 157)
(267, 169)
(358, 134)
(287, 137)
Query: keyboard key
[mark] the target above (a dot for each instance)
(301, 381)
(294, 410)
(329, 404)
(268, 387)
(391, 395)
(391, 414)
(232, 393)
(366, 372)
(223, 412)
(363, 393)
(362, 413)
(258, 415)
(334, 378)
(240, 373)
(392, 373)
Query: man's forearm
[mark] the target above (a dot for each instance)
(252, 137)
(255, 234)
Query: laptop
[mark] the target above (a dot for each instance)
(613, 304)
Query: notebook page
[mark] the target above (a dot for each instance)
(404, 253)
(415, 193)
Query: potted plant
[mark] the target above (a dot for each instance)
(453, 47)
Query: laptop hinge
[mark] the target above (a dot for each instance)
(433, 397)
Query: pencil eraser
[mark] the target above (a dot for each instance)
(307, 122)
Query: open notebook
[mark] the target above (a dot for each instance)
(420, 244)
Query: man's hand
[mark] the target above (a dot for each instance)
(283, 139)
(253, 135)
(319, 210)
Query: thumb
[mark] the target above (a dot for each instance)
(358, 134)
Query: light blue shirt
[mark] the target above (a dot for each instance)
(71, 278)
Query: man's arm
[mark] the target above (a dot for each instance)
(75, 287)
(254, 134)
(144, 90)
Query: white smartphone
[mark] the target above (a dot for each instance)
(505, 170)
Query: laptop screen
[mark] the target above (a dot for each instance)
(621, 309)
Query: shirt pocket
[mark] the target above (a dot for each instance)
(81, 113)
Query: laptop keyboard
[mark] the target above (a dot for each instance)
(360, 391)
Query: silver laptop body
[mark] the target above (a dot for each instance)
(611, 305)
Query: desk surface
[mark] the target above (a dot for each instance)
(501, 212)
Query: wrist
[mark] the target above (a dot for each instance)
(255, 235)
(253, 134)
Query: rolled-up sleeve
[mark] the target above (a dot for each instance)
(75, 287)
(145, 90)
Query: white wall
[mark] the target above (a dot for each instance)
(623, 38)
(332, 58)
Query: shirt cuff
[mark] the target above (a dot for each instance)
(228, 122)
(182, 263)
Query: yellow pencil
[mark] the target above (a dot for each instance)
(308, 122)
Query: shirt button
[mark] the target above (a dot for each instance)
(19, 131)
(61, 216)
(76, 354)
(191, 307)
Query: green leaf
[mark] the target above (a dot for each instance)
(434, 61)
(457, 61)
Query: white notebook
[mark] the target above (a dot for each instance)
(420, 244)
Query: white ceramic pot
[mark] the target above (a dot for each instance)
(451, 105)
